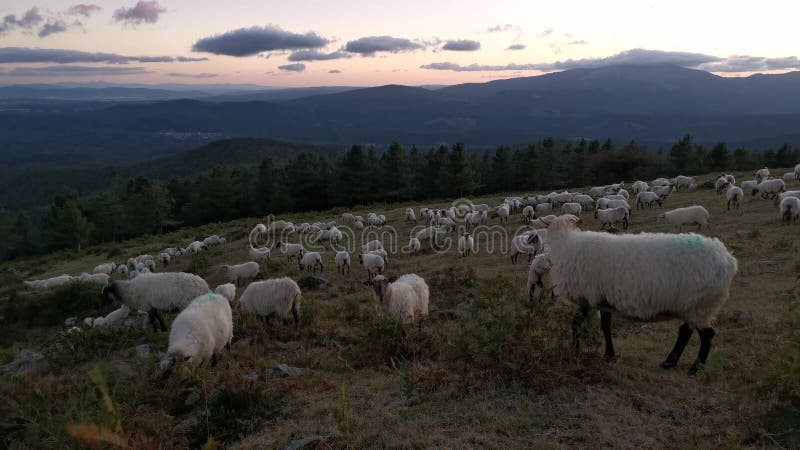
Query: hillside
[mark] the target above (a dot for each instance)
(486, 369)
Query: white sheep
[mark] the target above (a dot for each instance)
(49, 283)
(112, 319)
(405, 299)
(734, 195)
(202, 329)
(640, 186)
(645, 277)
(358, 225)
(242, 272)
(690, 215)
(310, 261)
(797, 172)
(663, 191)
(769, 188)
(749, 185)
(788, 176)
(348, 217)
(373, 264)
(106, 268)
(122, 269)
(276, 296)
(291, 250)
(342, 261)
(542, 208)
(721, 184)
(156, 292)
(227, 290)
(96, 278)
(571, 208)
(528, 243)
(541, 222)
(586, 201)
(684, 181)
(789, 210)
(374, 244)
(502, 212)
(661, 182)
(414, 245)
(539, 277)
(258, 253)
(762, 174)
(647, 198)
(410, 217)
(466, 244)
(613, 216)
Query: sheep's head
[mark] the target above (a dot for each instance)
(565, 223)
(111, 293)
(380, 287)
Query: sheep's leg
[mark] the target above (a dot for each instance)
(706, 336)
(155, 314)
(605, 325)
(152, 317)
(294, 315)
(684, 334)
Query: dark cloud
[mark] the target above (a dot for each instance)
(335, 71)
(254, 40)
(463, 45)
(297, 67)
(192, 75)
(313, 55)
(142, 12)
(368, 46)
(740, 63)
(54, 27)
(26, 22)
(42, 55)
(73, 71)
(84, 9)
(499, 28)
(516, 47)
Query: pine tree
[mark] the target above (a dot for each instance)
(73, 228)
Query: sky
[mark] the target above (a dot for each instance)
(368, 43)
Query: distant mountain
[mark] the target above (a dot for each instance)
(280, 94)
(25, 93)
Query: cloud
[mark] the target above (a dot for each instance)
(192, 75)
(10, 55)
(578, 42)
(335, 71)
(463, 45)
(516, 47)
(142, 12)
(368, 46)
(742, 63)
(555, 48)
(254, 40)
(499, 28)
(313, 55)
(84, 9)
(478, 67)
(73, 71)
(546, 33)
(27, 22)
(55, 27)
(297, 67)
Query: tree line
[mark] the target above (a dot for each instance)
(309, 182)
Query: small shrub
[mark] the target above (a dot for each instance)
(382, 340)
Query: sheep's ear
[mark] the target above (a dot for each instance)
(392, 279)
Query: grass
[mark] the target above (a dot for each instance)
(485, 369)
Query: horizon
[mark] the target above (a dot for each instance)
(349, 45)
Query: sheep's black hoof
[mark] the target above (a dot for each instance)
(694, 369)
(668, 364)
(611, 359)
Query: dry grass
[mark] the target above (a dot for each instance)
(415, 391)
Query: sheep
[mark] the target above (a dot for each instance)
(310, 261)
(291, 250)
(762, 174)
(202, 329)
(358, 225)
(332, 235)
(721, 184)
(410, 217)
(428, 233)
(528, 243)
(571, 208)
(647, 198)
(625, 195)
(749, 185)
(788, 176)
(404, 299)
(603, 203)
(342, 260)
(242, 272)
(195, 247)
(330, 225)
(797, 172)
(789, 210)
(212, 241)
(112, 319)
(122, 269)
(640, 186)
(539, 276)
(144, 258)
(541, 222)
(661, 182)
(734, 195)
(373, 264)
(106, 268)
(96, 278)
(527, 214)
(276, 296)
(382, 253)
(559, 199)
(156, 292)
(584, 200)
(466, 244)
(769, 188)
(374, 244)
(49, 283)
(227, 290)
(684, 181)
(279, 226)
(473, 219)
(259, 253)
(691, 215)
(446, 222)
(150, 265)
(414, 246)
(131, 263)
(614, 197)
(613, 216)
(303, 228)
(663, 191)
(164, 259)
(542, 208)
(348, 217)
(502, 213)
(646, 277)
(375, 221)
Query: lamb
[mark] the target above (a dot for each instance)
(539, 276)
(342, 261)
(310, 261)
(466, 244)
(789, 210)
(769, 188)
(242, 272)
(113, 318)
(164, 259)
(372, 245)
(691, 215)
(762, 174)
(645, 277)
(414, 246)
(528, 243)
(734, 195)
(227, 290)
(202, 329)
(405, 299)
(259, 253)
(613, 216)
(156, 292)
(290, 250)
(106, 268)
(647, 198)
(372, 263)
(571, 208)
(684, 181)
(276, 296)
(410, 217)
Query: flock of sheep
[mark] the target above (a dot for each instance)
(683, 276)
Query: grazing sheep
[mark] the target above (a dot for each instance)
(734, 195)
(769, 188)
(684, 181)
(721, 184)
(227, 290)
(113, 319)
(372, 263)
(164, 259)
(749, 185)
(122, 269)
(258, 253)
(202, 329)
(663, 191)
(279, 226)
(584, 200)
(96, 278)
(502, 213)
(276, 296)
(539, 277)
(466, 244)
(571, 208)
(527, 214)
(310, 261)
(106, 268)
(414, 246)
(647, 198)
(348, 217)
(291, 250)
(645, 277)
(762, 174)
(797, 172)
(541, 222)
(640, 186)
(788, 176)
(410, 217)
(789, 210)
(661, 182)
(242, 272)
(542, 208)
(613, 216)
(405, 299)
(691, 215)
(156, 292)
(372, 245)
(528, 243)
(342, 261)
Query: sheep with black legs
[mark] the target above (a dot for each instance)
(242, 272)
(291, 250)
(155, 292)
(276, 296)
(410, 217)
(613, 216)
(762, 174)
(734, 194)
(539, 277)
(690, 215)
(414, 246)
(404, 299)
(645, 277)
(227, 290)
(342, 261)
(310, 261)
(466, 244)
(201, 330)
(373, 264)
(769, 188)
(789, 210)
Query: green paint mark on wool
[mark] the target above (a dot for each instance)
(691, 240)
